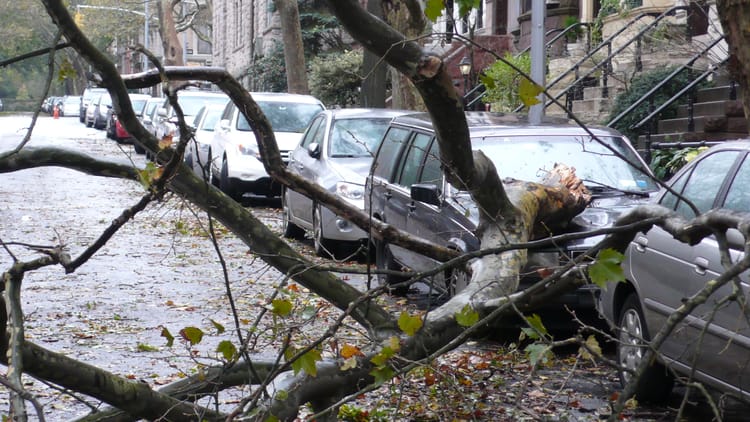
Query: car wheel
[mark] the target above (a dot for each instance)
(291, 230)
(656, 382)
(89, 124)
(211, 174)
(138, 148)
(226, 185)
(323, 247)
(384, 261)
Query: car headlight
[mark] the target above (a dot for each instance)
(350, 190)
(249, 149)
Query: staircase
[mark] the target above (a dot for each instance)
(716, 115)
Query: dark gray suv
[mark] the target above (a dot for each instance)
(407, 188)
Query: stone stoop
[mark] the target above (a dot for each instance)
(716, 117)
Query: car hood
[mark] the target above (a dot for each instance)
(602, 212)
(350, 169)
(287, 141)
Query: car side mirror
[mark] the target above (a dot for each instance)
(313, 150)
(426, 192)
(161, 112)
(224, 125)
(735, 239)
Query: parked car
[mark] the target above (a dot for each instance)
(191, 102)
(96, 113)
(69, 106)
(196, 153)
(712, 345)
(150, 110)
(86, 97)
(235, 161)
(1, 105)
(407, 189)
(336, 153)
(115, 130)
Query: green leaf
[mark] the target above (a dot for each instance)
(607, 267)
(281, 395)
(272, 418)
(409, 324)
(467, 316)
(591, 344)
(382, 375)
(305, 362)
(281, 307)
(433, 9)
(487, 80)
(536, 328)
(146, 348)
(227, 349)
(528, 91)
(381, 358)
(538, 353)
(219, 328)
(192, 334)
(166, 334)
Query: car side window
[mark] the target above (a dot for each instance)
(432, 173)
(314, 133)
(389, 152)
(705, 182)
(414, 160)
(738, 196)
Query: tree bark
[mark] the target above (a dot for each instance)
(294, 53)
(735, 17)
(173, 55)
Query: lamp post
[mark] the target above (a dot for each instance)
(464, 66)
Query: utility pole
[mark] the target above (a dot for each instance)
(538, 56)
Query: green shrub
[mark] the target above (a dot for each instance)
(269, 72)
(504, 95)
(640, 85)
(666, 162)
(336, 78)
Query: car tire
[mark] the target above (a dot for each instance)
(226, 185)
(211, 175)
(384, 261)
(89, 124)
(290, 230)
(138, 148)
(656, 383)
(323, 247)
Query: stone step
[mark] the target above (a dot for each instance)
(704, 124)
(717, 93)
(690, 137)
(731, 108)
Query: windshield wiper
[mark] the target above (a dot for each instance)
(600, 188)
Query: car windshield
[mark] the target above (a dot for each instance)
(356, 137)
(212, 119)
(530, 158)
(284, 117)
(138, 105)
(191, 104)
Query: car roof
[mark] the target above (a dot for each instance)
(283, 96)
(199, 93)
(483, 123)
(139, 96)
(356, 113)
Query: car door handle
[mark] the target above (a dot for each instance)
(388, 194)
(411, 207)
(641, 242)
(701, 264)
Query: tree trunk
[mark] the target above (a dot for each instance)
(407, 18)
(168, 31)
(373, 69)
(294, 53)
(735, 18)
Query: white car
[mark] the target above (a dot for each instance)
(236, 166)
(190, 102)
(196, 153)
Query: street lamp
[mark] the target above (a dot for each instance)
(464, 66)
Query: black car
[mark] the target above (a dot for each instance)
(407, 188)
